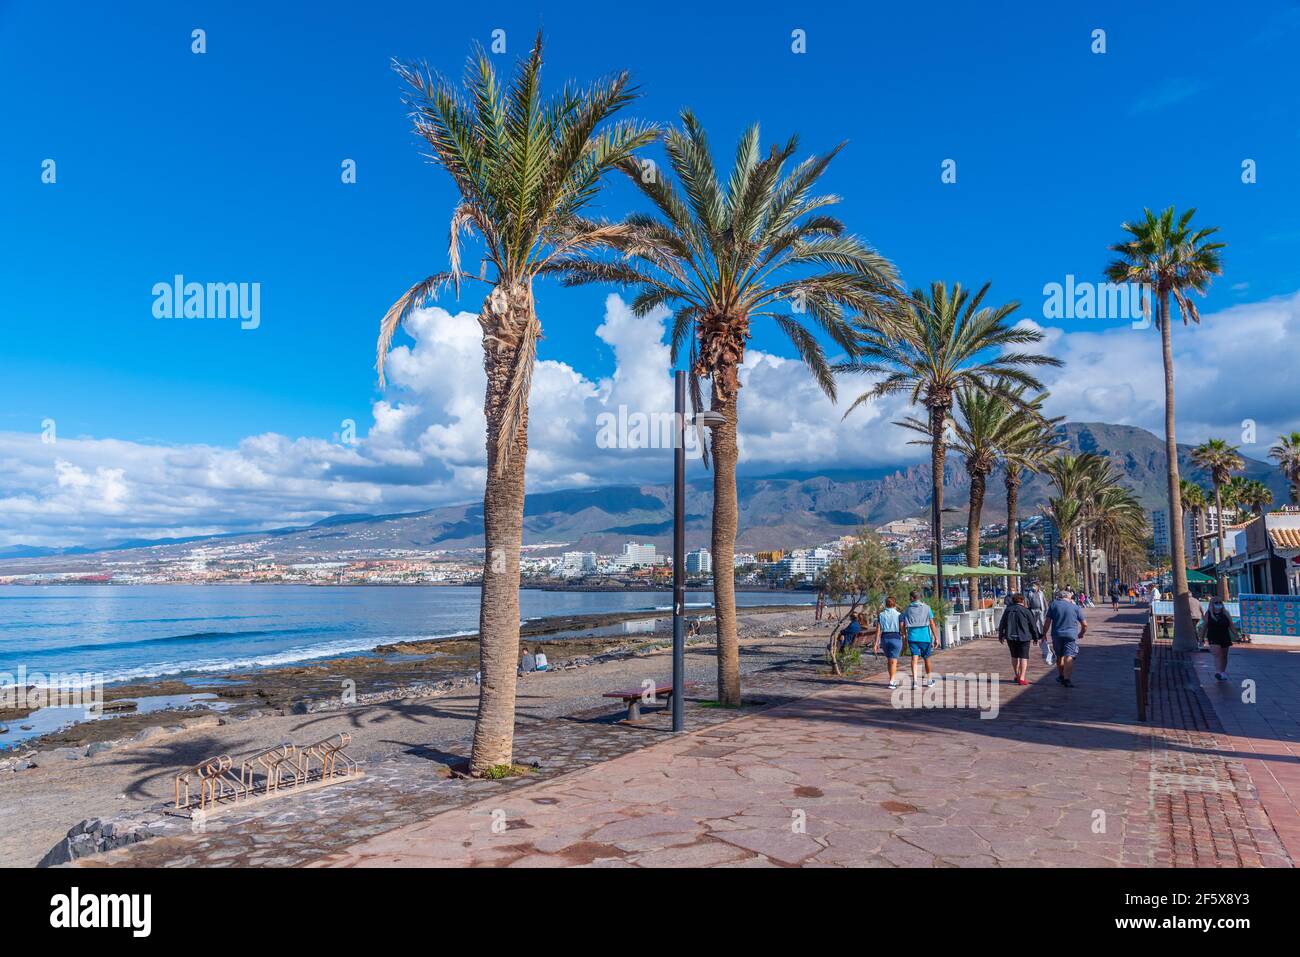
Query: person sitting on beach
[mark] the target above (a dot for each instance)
(540, 661)
(527, 663)
(850, 633)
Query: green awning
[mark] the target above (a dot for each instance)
(1199, 577)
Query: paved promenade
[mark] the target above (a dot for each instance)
(1050, 777)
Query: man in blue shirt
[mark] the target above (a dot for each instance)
(1066, 625)
(918, 619)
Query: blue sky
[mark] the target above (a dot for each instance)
(225, 167)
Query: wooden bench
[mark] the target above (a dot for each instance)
(632, 697)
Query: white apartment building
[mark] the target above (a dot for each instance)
(637, 556)
(577, 564)
(809, 562)
(699, 562)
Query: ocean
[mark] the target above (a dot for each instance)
(130, 633)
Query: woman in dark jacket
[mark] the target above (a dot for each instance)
(1019, 628)
(1220, 632)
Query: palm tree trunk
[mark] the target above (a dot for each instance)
(503, 521)
(1184, 630)
(726, 513)
(938, 450)
(973, 519)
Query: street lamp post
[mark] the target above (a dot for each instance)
(679, 548)
(1049, 539)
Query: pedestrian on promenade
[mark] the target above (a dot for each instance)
(889, 638)
(919, 619)
(1114, 596)
(1036, 602)
(1219, 630)
(1155, 594)
(1065, 625)
(1018, 629)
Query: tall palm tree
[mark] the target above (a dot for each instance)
(1078, 478)
(1194, 501)
(990, 423)
(1172, 260)
(526, 169)
(1287, 454)
(1027, 452)
(1120, 523)
(1241, 494)
(1220, 459)
(723, 256)
(945, 341)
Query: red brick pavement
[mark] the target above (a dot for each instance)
(1258, 712)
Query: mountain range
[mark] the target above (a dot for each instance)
(776, 511)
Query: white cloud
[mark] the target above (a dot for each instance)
(425, 443)
(1239, 364)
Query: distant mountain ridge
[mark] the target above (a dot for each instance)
(783, 510)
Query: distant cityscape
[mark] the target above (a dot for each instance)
(541, 564)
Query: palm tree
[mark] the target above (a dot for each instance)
(1287, 453)
(1219, 459)
(1028, 452)
(1194, 500)
(723, 256)
(942, 343)
(1172, 260)
(990, 423)
(1077, 477)
(1241, 494)
(525, 169)
(1119, 523)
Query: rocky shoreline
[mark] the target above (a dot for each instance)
(394, 672)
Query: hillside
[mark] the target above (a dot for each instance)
(777, 511)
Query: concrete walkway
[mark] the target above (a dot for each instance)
(1037, 776)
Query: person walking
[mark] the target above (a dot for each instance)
(889, 638)
(1218, 628)
(1036, 603)
(1114, 596)
(919, 619)
(1019, 629)
(1065, 625)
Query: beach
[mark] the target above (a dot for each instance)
(411, 696)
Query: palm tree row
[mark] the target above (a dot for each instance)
(1093, 510)
(721, 254)
(944, 348)
(724, 250)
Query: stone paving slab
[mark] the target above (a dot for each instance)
(411, 786)
(1059, 777)
(834, 774)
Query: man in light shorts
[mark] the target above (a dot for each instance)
(918, 619)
